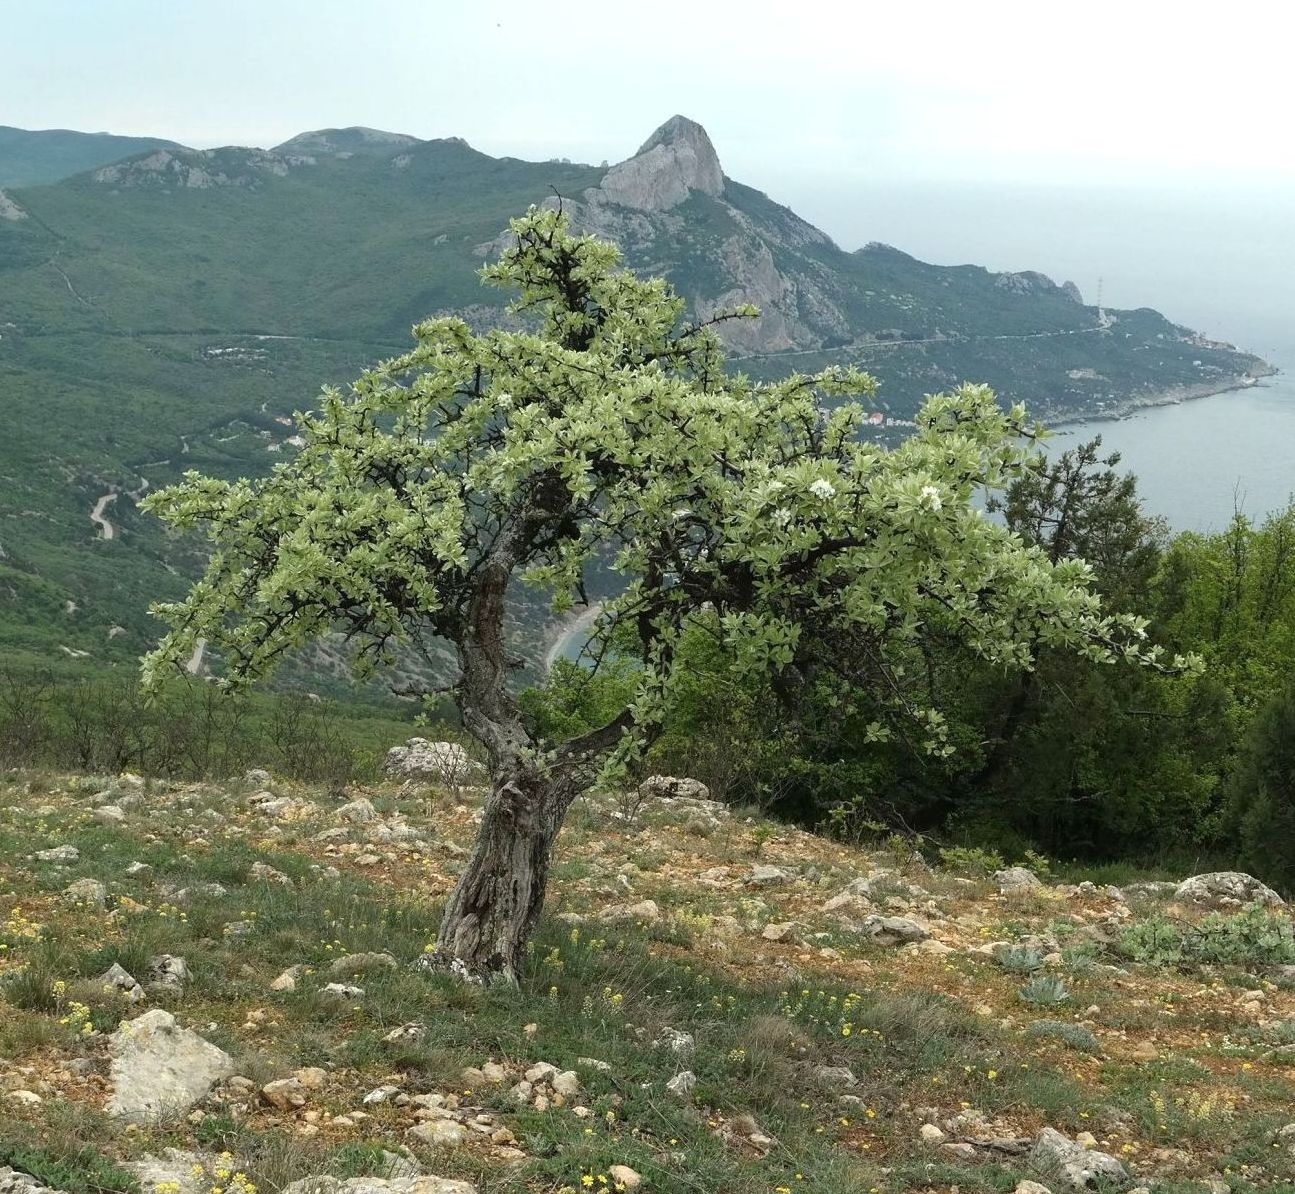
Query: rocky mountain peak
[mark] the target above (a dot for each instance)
(674, 160)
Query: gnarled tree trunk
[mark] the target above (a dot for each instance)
(496, 903)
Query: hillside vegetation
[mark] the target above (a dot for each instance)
(715, 1003)
(172, 310)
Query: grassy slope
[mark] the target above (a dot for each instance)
(1183, 1076)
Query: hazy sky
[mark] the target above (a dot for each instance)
(1039, 91)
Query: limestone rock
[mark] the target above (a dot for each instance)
(682, 1084)
(433, 762)
(669, 787)
(159, 1068)
(168, 972)
(117, 978)
(1017, 878)
(407, 1184)
(173, 1172)
(1227, 887)
(624, 1177)
(894, 930)
(59, 854)
(358, 811)
(1076, 1167)
(767, 876)
(674, 161)
(445, 1133)
(86, 891)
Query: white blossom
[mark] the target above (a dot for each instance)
(781, 516)
(931, 497)
(823, 488)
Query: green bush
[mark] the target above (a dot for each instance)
(1044, 990)
(1254, 936)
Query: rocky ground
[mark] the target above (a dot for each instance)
(215, 989)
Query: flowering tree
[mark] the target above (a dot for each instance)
(610, 434)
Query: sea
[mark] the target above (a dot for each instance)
(1218, 256)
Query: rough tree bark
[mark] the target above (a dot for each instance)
(496, 903)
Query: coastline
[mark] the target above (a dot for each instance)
(576, 623)
(1171, 396)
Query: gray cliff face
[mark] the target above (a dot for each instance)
(675, 160)
(634, 206)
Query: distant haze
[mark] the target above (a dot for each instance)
(1014, 90)
(1220, 258)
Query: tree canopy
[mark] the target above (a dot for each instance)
(607, 435)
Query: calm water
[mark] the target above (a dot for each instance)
(1195, 461)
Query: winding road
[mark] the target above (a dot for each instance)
(106, 529)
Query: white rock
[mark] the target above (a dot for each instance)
(669, 787)
(159, 1068)
(287, 981)
(358, 811)
(1077, 1167)
(931, 1134)
(116, 978)
(261, 872)
(682, 1084)
(443, 1132)
(173, 1171)
(1227, 887)
(59, 854)
(434, 762)
(168, 972)
(421, 1184)
(1017, 878)
(86, 891)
